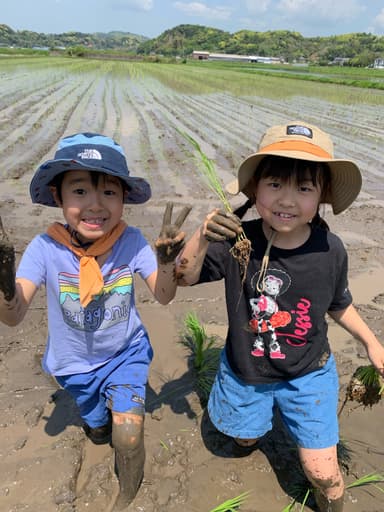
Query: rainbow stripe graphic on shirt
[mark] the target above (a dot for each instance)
(118, 281)
(111, 306)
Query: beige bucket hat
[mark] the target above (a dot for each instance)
(302, 141)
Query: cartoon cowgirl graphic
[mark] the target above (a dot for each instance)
(266, 316)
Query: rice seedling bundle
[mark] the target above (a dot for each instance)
(241, 250)
(205, 354)
(366, 386)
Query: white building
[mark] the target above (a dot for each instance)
(378, 64)
(203, 55)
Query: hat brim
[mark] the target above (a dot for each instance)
(346, 180)
(139, 190)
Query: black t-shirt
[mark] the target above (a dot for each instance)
(281, 332)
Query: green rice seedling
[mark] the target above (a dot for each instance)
(197, 340)
(232, 504)
(289, 507)
(241, 250)
(295, 501)
(205, 354)
(366, 387)
(300, 490)
(209, 172)
(164, 445)
(207, 78)
(370, 479)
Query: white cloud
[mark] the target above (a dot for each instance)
(201, 10)
(379, 21)
(257, 6)
(324, 10)
(136, 5)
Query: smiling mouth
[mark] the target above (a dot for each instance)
(284, 215)
(97, 222)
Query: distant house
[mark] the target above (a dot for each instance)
(265, 60)
(203, 55)
(301, 61)
(339, 61)
(229, 56)
(378, 64)
(200, 55)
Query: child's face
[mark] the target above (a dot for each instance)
(287, 206)
(91, 210)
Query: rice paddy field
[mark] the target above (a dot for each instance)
(46, 463)
(143, 105)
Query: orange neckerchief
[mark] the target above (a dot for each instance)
(91, 280)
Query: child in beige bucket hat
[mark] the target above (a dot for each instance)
(302, 141)
(277, 353)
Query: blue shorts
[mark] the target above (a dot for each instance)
(118, 385)
(308, 406)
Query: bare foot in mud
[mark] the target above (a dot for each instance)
(7, 265)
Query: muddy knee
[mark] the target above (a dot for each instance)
(324, 484)
(127, 432)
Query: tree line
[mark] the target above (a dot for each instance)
(360, 48)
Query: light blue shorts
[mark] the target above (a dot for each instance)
(307, 404)
(118, 386)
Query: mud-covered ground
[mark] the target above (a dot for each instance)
(46, 462)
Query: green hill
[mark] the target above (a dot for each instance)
(182, 40)
(362, 49)
(97, 41)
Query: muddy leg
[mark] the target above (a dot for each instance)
(322, 469)
(128, 442)
(326, 505)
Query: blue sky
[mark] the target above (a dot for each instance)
(152, 17)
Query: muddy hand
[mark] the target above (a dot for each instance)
(222, 226)
(171, 240)
(7, 266)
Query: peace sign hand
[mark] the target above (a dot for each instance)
(7, 266)
(171, 240)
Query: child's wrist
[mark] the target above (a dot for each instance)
(166, 265)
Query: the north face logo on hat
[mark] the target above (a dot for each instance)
(92, 154)
(295, 129)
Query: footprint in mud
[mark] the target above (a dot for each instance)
(379, 299)
(96, 482)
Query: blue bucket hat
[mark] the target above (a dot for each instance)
(88, 152)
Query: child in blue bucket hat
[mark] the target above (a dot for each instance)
(98, 348)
